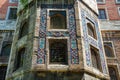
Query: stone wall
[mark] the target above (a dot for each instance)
(36, 42)
(26, 41)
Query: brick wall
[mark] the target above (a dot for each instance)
(111, 8)
(114, 37)
(117, 49)
(4, 4)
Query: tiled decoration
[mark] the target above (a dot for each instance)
(70, 33)
(42, 34)
(90, 41)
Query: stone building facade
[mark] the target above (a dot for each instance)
(57, 40)
(8, 9)
(32, 55)
(109, 14)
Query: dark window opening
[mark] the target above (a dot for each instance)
(95, 58)
(3, 70)
(58, 51)
(58, 20)
(108, 49)
(6, 48)
(19, 58)
(112, 73)
(102, 14)
(23, 30)
(12, 13)
(100, 1)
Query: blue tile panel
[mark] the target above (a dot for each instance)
(90, 41)
(42, 35)
(70, 33)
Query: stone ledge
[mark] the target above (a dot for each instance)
(109, 25)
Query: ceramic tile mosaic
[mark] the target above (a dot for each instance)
(42, 35)
(90, 41)
(71, 33)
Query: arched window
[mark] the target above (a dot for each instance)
(91, 30)
(20, 58)
(6, 50)
(58, 51)
(57, 20)
(95, 58)
(112, 73)
(23, 30)
(108, 51)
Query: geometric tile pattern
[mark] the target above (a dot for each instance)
(42, 36)
(90, 41)
(71, 33)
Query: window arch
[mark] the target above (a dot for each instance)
(6, 50)
(23, 30)
(108, 51)
(91, 30)
(57, 20)
(112, 73)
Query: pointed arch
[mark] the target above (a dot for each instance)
(91, 30)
